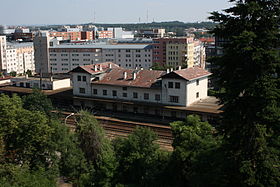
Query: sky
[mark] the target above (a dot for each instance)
(43, 12)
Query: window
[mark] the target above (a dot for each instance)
(174, 99)
(94, 91)
(79, 78)
(146, 96)
(197, 82)
(197, 94)
(124, 88)
(82, 90)
(84, 78)
(124, 94)
(177, 85)
(128, 50)
(157, 97)
(114, 93)
(104, 92)
(170, 84)
(135, 95)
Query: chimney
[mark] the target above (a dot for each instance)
(134, 75)
(51, 78)
(141, 68)
(167, 71)
(180, 67)
(150, 69)
(95, 67)
(26, 76)
(110, 65)
(100, 67)
(136, 68)
(124, 75)
(171, 69)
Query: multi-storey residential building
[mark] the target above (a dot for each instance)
(16, 57)
(150, 92)
(174, 52)
(129, 56)
(3, 47)
(74, 36)
(66, 57)
(152, 33)
(105, 34)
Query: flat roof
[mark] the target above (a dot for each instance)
(102, 46)
(18, 45)
(14, 89)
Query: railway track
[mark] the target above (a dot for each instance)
(120, 128)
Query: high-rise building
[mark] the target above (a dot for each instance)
(41, 53)
(16, 57)
(174, 52)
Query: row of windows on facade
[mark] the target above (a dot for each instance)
(73, 54)
(172, 98)
(128, 55)
(75, 60)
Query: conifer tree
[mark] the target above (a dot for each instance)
(249, 75)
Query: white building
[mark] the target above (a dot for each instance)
(44, 83)
(16, 57)
(119, 33)
(109, 81)
(65, 57)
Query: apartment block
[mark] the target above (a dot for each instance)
(174, 52)
(105, 34)
(16, 57)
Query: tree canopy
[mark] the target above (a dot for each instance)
(248, 72)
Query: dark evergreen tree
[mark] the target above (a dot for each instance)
(249, 75)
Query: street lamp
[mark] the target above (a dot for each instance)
(68, 117)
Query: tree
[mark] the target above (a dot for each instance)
(195, 157)
(37, 101)
(248, 73)
(97, 151)
(22, 176)
(140, 162)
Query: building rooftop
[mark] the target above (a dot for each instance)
(102, 46)
(96, 68)
(188, 73)
(19, 45)
(143, 78)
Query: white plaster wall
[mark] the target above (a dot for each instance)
(129, 92)
(166, 92)
(81, 84)
(192, 89)
(64, 83)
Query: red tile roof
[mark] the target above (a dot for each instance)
(144, 78)
(192, 73)
(91, 68)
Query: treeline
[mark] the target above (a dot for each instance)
(37, 149)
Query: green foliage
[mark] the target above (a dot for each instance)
(248, 72)
(97, 151)
(140, 162)
(29, 73)
(37, 101)
(22, 176)
(195, 153)
(13, 73)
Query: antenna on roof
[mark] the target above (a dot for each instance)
(147, 15)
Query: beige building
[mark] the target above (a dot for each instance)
(180, 54)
